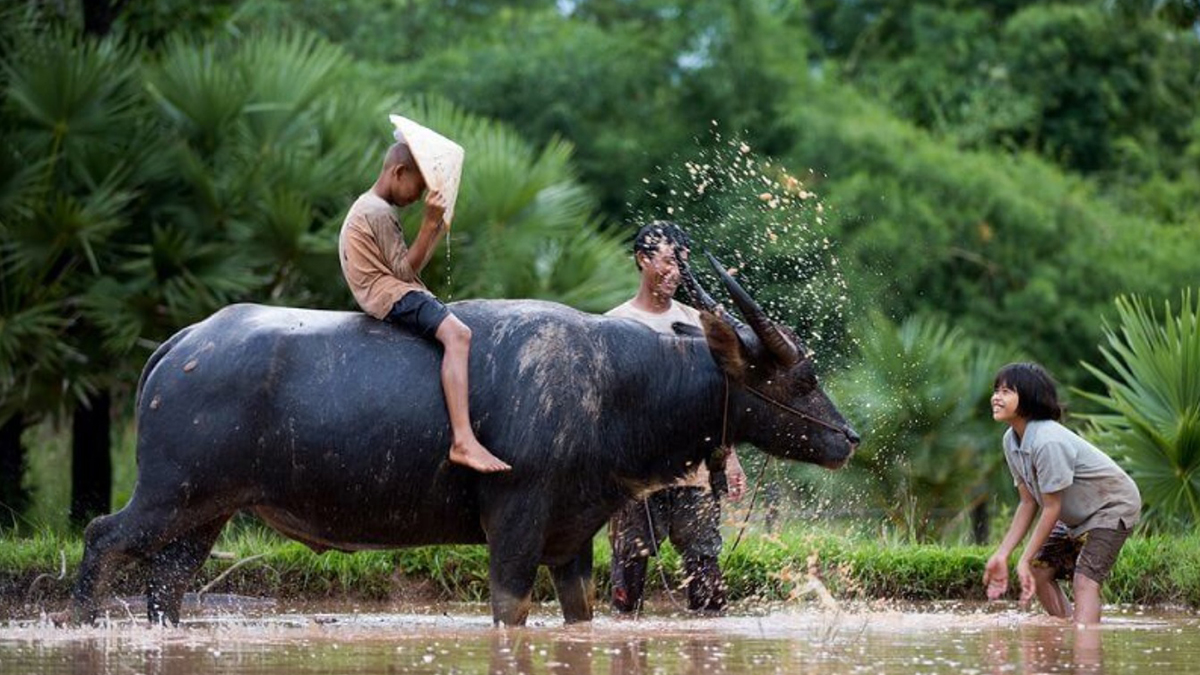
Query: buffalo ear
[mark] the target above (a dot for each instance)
(724, 345)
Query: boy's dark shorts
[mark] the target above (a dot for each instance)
(419, 312)
(1091, 554)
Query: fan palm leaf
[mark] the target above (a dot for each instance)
(1152, 399)
(929, 448)
(524, 225)
(73, 100)
(199, 92)
(285, 76)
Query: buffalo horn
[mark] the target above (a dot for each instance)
(698, 297)
(774, 340)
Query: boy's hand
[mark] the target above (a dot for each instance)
(1028, 586)
(995, 577)
(435, 209)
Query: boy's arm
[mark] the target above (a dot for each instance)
(1051, 508)
(995, 574)
(432, 227)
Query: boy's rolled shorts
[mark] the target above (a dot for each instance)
(419, 312)
(1091, 554)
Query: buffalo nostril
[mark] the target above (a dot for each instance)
(851, 436)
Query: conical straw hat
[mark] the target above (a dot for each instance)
(439, 159)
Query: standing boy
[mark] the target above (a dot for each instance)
(1088, 505)
(688, 511)
(383, 273)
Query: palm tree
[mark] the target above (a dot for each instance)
(71, 120)
(930, 450)
(525, 227)
(1152, 398)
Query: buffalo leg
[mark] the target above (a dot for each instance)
(514, 553)
(173, 567)
(574, 585)
(511, 584)
(136, 532)
(100, 561)
(706, 586)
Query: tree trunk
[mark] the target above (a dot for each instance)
(14, 497)
(980, 523)
(91, 459)
(99, 15)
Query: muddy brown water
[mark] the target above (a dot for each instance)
(340, 638)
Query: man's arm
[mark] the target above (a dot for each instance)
(432, 227)
(736, 476)
(995, 573)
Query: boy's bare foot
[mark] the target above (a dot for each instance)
(473, 455)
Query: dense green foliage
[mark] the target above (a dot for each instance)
(146, 194)
(929, 453)
(1009, 248)
(1100, 88)
(1152, 406)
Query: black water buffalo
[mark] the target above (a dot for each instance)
(331, 427)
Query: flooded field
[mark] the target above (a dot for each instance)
(950, 638)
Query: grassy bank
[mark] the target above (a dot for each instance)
(1151, 570)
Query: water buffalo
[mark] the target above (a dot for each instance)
(331, 427)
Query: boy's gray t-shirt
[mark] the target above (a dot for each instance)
(1095, 491)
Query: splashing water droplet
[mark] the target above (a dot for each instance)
(767, 222)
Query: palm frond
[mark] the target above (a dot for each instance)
(1152, 399)
(285, 75)
(920, 389)
(199, 92)
(74, 98)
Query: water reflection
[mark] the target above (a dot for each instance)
(1046, 647)
(810, 641)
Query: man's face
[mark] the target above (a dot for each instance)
(662, 269)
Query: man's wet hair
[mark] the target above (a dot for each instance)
(657, 233)
(1037, 395)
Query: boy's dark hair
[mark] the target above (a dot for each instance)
(1037, 395)
(659, 232)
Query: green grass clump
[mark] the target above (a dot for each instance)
(1152, 570)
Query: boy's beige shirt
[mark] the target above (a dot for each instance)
(372, 251)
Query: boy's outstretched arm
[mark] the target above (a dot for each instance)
(432, 227)
(995, 573)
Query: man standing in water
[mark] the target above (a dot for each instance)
(688, 511)
(383, 273)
